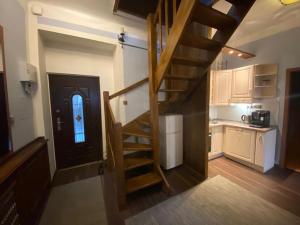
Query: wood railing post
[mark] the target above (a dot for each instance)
(152, 62)
(119, 169)
(106, 116)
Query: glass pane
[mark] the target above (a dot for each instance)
(78, 119)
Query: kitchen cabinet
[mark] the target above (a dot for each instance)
(222, 87)
(242, 84)
(265, 150)
(216, 142)
(240, 143)
(211, 96)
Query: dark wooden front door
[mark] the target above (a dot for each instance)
(76, 118)
(292, 120)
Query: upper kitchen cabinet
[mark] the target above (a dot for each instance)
(242, 84)
(222, 87)
(265, 81)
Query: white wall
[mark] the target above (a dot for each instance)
(70, 59)
(47, 123)
(12, 18)
(135, 69)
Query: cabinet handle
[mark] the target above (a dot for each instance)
(260, 139)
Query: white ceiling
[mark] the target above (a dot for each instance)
(267, 17)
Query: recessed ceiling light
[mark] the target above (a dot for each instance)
(231, 52)
(288, 2)
(240, 55)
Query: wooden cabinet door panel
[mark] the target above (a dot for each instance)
(222, 87)
(242, 82)
(240, 143)
(217, 139)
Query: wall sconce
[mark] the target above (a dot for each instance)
(288, 2)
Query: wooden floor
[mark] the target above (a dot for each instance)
(281, 187)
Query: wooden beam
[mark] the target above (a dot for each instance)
(152, 62)
(182, 18)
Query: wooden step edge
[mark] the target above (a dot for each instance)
(190, 62)
(136, 163)
(136, 147)
(129, 133)
(180, 78)
(201, 42)
(143, 181)
(217, 20)
(171, 90)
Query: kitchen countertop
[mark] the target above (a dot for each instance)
(237, 124)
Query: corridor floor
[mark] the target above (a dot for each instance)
(77, 203)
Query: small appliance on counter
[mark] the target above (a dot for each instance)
(246, 118)
(260, 119)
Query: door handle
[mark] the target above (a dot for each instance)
(59, 123)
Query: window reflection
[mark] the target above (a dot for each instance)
(78, 119)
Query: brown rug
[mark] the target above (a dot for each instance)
(216, 201)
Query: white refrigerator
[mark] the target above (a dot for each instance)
(171, 140)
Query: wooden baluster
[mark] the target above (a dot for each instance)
(167, 18)
(174, 9)
(152, 62)
(160, 26)
(119, 170)
(107, 125)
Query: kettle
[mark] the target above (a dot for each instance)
(246, 119)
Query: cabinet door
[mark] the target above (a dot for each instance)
(240, 143)
(211, 96)
(222, 86)
(242, 83)
(259, 152)
(217, 139)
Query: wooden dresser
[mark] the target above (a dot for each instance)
(24, 184)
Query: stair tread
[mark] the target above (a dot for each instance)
(211, 17)
(132, 163)
(127, 146)
(180, 77)
(190, 61)
(171, 90)
(135, 131)
(237, 2)
(143, 181)
(200, 42)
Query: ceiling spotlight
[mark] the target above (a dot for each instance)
(240, 55)
(288, 2)
(231, 52)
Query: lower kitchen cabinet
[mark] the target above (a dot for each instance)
(265, 150)
(216, 142)
(240, 143)
(250, 147)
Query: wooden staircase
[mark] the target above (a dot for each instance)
(186, 53)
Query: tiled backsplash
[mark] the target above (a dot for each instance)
(234, 112)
